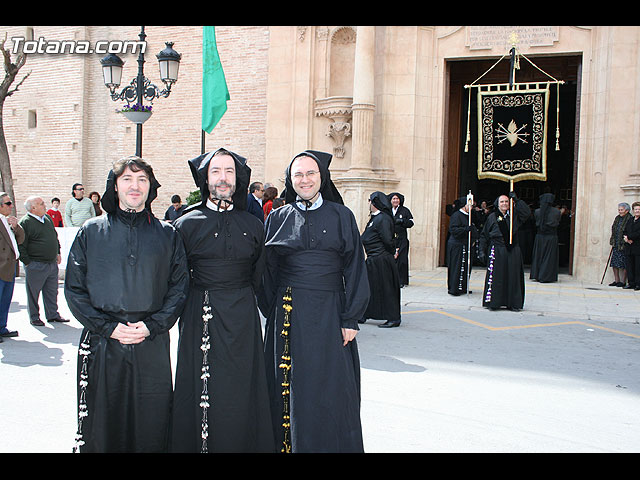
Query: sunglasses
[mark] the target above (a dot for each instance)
(7, 203)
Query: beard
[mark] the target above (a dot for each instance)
(213, 190)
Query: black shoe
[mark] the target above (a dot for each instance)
(636, 288)
(37, 323)
(389, 324)
(628, 287)
(614, 284)
(362, 321)
(59, 319)
(620, 284)
(9, 333)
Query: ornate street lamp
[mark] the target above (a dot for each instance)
(140, 87)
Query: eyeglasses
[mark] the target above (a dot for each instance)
(79, 188)
(309, 174)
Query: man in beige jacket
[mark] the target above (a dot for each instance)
(11, 235)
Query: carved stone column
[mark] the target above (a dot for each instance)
(363, 102)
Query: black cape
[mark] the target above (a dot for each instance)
(316, 256)
(225, 253)
(384, 284)
(544, 259)
(125, 267)
(504, 280)
(458, 264)
(403, 220)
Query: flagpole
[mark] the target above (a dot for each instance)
(202, 142)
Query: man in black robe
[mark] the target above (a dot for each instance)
(504, 280)
(544, 259)
(377, 239)
(458, 261)
(126, 282)
(221, 402)
(315, 291)
(403, 220)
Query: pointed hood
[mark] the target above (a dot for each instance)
(327, 188)
(381, 202)
(110, 200)
(400, 197)
(200, 166)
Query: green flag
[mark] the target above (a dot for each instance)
(214, 86)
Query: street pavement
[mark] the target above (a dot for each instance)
(559, 376)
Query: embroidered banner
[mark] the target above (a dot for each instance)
(512, 134)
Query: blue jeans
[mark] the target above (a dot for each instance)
(6, 293)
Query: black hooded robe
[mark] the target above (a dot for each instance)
(504, 280)
(229, 408)
(458, 264)
(384, 285)
(544, 259)
(315, 268)
(403, 220)
(125, 267)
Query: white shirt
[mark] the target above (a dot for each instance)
(316, 204)
(258, 199)
(11, 236)
(40, 219)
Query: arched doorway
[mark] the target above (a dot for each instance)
(460, 167)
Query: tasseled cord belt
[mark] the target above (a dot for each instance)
(205, 374)
(285, 365)
(83, 382)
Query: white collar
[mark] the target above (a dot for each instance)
(317, 204)
(40, 219)
(214, 207)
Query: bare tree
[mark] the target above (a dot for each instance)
(10, 72)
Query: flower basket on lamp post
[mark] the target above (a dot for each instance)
(136, 113)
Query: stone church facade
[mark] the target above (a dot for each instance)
(389, 102)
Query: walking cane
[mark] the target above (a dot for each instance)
(606, 266)
(469, 204)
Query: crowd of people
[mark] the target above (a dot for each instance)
(509, 234)
(243, 252)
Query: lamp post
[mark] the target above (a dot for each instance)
(140, 87)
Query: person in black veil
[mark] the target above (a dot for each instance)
(544, 260)
(458, 262)
(403, 220)
(504, 280)
(315, 290)
(377, 239)
(126, 282)
(221, 401)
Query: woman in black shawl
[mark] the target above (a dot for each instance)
(384, 283)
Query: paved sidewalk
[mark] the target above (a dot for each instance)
(434, 384)
(568, 297)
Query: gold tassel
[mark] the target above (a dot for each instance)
(285, 365)
(466, 143)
